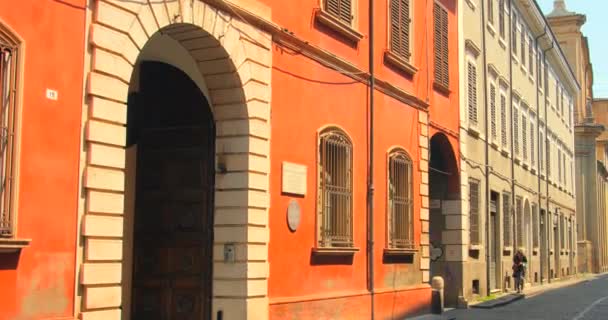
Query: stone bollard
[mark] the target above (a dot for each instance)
(437, 295)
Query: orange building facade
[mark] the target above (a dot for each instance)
(218, 166)
(42, 81)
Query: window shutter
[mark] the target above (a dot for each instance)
(519, 222)
(493, 111)
(532, 149)
(501, 18)
(523, 48)
(503, 120)
(524, 137)
(491, 11)
(541, 143)
(400, 27)
(342, 9)
(474, 211)
(535, 229)
(440, 16)
(472, 92)
(516, 130)
(531, 57)
(514, 34)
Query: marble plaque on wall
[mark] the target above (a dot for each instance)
(294, 178)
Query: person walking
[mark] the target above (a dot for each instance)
(519, 269)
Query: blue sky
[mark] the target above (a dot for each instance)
(595, 29)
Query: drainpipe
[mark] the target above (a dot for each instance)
(538, 84)
(487, 151)
(370, 182)
(549, 222)
(510, 48)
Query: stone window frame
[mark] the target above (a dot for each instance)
(348, 30)
(391, 247)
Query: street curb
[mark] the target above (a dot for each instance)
(499, 302)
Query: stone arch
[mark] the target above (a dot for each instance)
(234, 59)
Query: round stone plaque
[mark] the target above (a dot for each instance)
(293, 215)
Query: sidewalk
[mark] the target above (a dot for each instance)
(510, 297)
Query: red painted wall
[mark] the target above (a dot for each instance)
(39, 282)
(307, 96)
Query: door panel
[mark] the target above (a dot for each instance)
(174, 199)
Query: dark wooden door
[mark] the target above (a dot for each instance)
(174, 198)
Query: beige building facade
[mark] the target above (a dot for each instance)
(600, 113)
(517, 146)
(589, 172)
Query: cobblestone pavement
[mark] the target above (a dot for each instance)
(583, 301)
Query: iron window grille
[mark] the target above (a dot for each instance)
(535, 229)
(400, 202)
(335, 193)
(506, 214)
(474, 225)
(8, 84)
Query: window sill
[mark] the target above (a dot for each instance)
(8, 245)
(494, 145)
(515, 59)
(475, 247)
(517, 160)
(507, 250)
(504, 152)
(535, 250)
(533, 170)
(399, 252)
(471, 4)
(531, 78)
(335, 251)
(474, 132)
(441, 88)
(523, 68)
(491, 29)
(502, 43)
(342, 28)
(524, 165)
(400, 63)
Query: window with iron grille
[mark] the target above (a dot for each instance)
(400, 202)
(535, 229)
(532, 145)
(400, 28)
(472, 92)
(491, 11)
(475, 231)
(506, 215)
(341, 9)
(9, 56)
(493, 111)
(335, 193)
(531, 56)
(501, 18)
(440, 15)
(519, 222)
(524, 137)
(516, 130)
(503, 120)
(539, 63)
(514, 34)
(562, 232)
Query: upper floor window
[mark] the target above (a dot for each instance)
(501, 18)
(440, 15)
(531, 56)
(523, 48)
(341, 9)
(494, 131)
(335, 190)
(491, 11)
(472, 92)
(503, 120)
(400, 28)
(516, 130)
(507, 220)
(532, 145)
(524, 136)
(9, 62)
(400, 202)
(514, 34)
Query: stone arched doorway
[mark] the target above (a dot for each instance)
(230, 62)
(444, 191)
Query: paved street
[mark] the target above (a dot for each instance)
(584, 301)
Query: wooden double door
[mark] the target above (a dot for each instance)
(172, 247)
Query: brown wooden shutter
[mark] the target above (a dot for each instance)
(474, 211)
(501, 18)
(472, 92)
(342, 9)
(400, 27)
(493, 111)
(441, 45)
(503, 120)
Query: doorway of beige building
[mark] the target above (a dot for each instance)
(172, 127)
